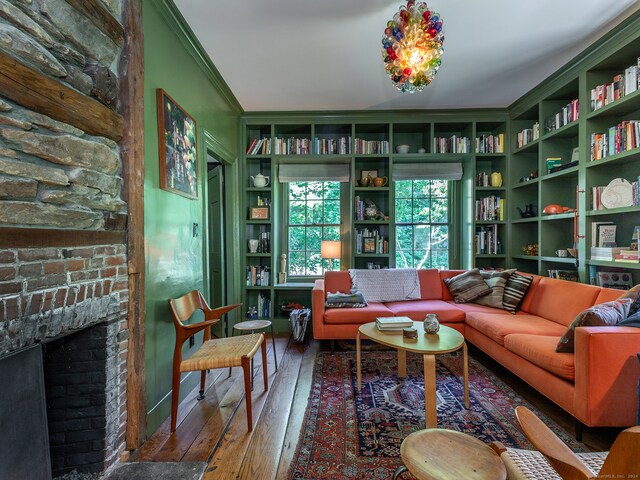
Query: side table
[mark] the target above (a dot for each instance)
(251, 326)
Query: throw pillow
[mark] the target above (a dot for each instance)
(609, 313)
(487, 274)
(634, 295)
(494, 299)
(467, 286)
(631, 320)
(355, 299)
(514, 291)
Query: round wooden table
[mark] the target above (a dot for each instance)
(429, 345)
(437, 454)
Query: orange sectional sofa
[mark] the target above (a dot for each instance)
(598, 384)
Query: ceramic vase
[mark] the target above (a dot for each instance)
(431, 323)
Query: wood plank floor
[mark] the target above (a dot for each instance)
(215, 429)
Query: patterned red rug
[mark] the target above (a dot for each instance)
(350, 436)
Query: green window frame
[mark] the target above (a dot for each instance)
(423, 212)
(312, 214)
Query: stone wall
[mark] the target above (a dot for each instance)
(55, 176)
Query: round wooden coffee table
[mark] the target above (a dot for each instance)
(437, 454)
(429, 345)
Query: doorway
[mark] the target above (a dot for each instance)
(217, 222)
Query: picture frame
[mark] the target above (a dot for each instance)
(177, 147)
(366, 173)
(259, 213)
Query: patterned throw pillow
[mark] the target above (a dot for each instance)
(514, 291)
(609, 313)
(494, 299)
(487, 274)
(634, 295)
(467, 286)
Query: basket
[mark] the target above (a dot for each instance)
(298, 320)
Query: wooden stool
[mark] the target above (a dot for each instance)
(252, 326)
(438, 454)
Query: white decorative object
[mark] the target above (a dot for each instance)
(386, 285)
(618, 193)
(403, 148)
(260, 180)
(431, 324)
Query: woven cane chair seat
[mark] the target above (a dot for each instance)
(531, 464)
(223, 353)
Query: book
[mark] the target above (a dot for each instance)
(607, 236)
(595, 231)
(393, 323)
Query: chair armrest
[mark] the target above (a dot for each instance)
(623, 460)
(317, 308)
(196, 327)
(216, 313)
(606, 378)
(498, 447)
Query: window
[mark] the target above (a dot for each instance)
(422, 223)
(313, 215)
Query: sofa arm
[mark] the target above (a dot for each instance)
(317, 308)
(606, 378)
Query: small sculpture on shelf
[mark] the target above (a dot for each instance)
(252, 312)
(282, 275)
(530, 249)
(372, 212)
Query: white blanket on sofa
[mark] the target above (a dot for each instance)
(386, 285)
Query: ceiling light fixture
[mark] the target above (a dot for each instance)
(412, 46)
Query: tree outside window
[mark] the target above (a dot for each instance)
(422, 223)
(313, 216)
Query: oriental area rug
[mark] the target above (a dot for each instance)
(346, 435)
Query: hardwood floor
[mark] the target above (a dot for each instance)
(215, 429)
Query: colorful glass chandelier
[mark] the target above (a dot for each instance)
(412, 46)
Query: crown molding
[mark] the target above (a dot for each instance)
(179, 26)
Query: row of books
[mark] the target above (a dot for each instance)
(619, 138)
(392, 324)
(371, 147)
(569, 275)
(568, 114)
(292, 146)
(603, 234)
(332, 146)
(528, 135)
(262, 201)
(490, 143)
(614, 254)
(260, 146)
(596, 195)
(453, 144)
(483, 179)
(264, 305)
(258, 276)
(621, 85)
(489, 208)
(371, 241)
(486, 241)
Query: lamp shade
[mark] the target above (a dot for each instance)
(330, 249)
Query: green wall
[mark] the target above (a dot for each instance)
(175, 259)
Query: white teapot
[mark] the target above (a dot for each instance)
(260, 180)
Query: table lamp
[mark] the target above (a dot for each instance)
(330, 249)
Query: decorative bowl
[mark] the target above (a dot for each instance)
(403, 148)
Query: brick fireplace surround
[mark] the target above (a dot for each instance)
(65, 207)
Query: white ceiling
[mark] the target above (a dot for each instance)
(305, 55)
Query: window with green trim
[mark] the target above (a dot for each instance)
(313, 215)
(422, 223)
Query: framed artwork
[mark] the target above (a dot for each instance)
(177, 147)
(259, 213)
(367, 173)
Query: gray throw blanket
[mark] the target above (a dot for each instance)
(387, 285)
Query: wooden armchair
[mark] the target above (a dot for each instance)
(213, 353)
(559, 461)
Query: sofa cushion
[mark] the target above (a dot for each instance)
(561, 301)
(494, 299)
(541, 351)
(496, 327)
(474, 307)
(603, 314)
(418, 309)
(337, 281)
(444, 274)
(608, 294)
(357, 315)
(467, 286)
(430, 284)
(515, 290)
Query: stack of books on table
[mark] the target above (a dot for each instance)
(605, 253)
(626, 256)
(393, 324)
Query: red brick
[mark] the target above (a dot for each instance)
(122, 271)
(89, 293)
(107, 287)
(120, 260)
(96, 262)
(108, 272)
(53, 267)
(48, 301)
(120, 285)
(98, 290)
(30, 270)
(7, 273)
(49, 281)
(77, 252)
(35, 304)
(40, 254)
(10, 288)
(75, 265)
(107, 250)
(13, 308)
(81, 293)
(7, 256)
(82, 276)
(60, 296)
(71, 296)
